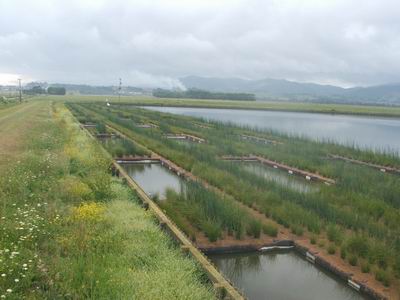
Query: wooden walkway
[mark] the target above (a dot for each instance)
(384, 169)
(184, 136)
(277, 165)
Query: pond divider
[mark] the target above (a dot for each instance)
(276, 165)
(259, 139)
(275, 244)
(314, 258)
(147, 125)
(384, 169)
(184, 136)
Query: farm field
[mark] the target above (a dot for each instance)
(353, 222)
(386, 111)
(71, 230)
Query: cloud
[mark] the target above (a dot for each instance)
(151, 43)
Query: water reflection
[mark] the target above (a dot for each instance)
(154, 179)
(281, 276)
(279, 176)
(366, 132)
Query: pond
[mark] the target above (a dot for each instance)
(377, 133)
(281, 276)
(279, 176)
(154, 178)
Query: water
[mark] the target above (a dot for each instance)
(281, 276)
(365, 132)
(154, 178)
(292, 181)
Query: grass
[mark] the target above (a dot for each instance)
(388, 111)
(357, 215)
(69, 230)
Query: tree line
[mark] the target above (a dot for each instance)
(202, 94)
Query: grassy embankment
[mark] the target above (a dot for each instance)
(70, 230)
(367, 110)
(358, 217)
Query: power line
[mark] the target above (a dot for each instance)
(119, 89)
(20, 90)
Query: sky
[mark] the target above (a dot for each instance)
(151, 43)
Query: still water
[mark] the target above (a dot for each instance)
(281, 276)
(366, 132)
(154, 178)
(279, 176)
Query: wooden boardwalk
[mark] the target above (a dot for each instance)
(184, 136)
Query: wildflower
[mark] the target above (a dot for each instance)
(3, 275)
(9, 290)
(16, 280)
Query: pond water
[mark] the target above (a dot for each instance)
(282, 177)
(281, 276)
(366, 132)
(154, 178)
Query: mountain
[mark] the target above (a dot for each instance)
(279, 89)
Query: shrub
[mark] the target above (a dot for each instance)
(254, 228)
(270, 230)
(343, 253)
(297, 230)
(358, 245)
(353, 260)
(383, 277)
(365, 268)
(331, 249)
(313, 240)
(212, 231)
(334, 234)
(101, 128)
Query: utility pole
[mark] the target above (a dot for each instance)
(20, 90)
(119, 89)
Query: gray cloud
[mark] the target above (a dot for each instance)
(150, 43)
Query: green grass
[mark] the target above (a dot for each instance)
(69, 230)
(372, 233)
(257, 105)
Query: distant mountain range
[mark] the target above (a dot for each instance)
(277, 89)
(263, 89)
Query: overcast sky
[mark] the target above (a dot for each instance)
(153, 42)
